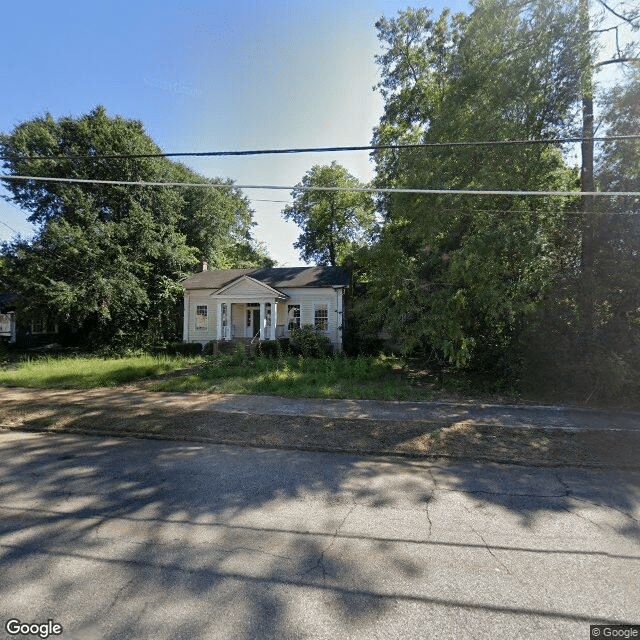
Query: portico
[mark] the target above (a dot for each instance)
(247, 308)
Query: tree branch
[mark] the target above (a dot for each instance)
(618, 15)
(603, 30)
(616, 60)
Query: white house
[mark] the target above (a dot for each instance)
(264, 303)
(7, 317)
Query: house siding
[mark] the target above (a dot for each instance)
(307, 297)
(193, 299)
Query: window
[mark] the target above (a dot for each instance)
(42, 325)
(201, 317)
(267, 312)
(293, 316)
(5, 324)
(321, 317)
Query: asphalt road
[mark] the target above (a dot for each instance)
(125, 538)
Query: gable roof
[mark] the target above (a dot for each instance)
(276, 277)
(254, 285)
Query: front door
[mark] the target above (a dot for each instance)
(255, 322)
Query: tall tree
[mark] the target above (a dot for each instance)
(591, 63)
(333, 223)
(455, 275)
(616, 259)
(107, 259)
(619, 161)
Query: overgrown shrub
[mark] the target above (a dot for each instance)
(4, 351)
(309, 343)
(560, 364)
(226, 347)
(210, 349)
(239, 354)
(270, 349)
(285, 345)
(184, 348)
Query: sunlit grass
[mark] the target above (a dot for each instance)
(85, 372)
(363, 377)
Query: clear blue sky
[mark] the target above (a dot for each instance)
(206, 76)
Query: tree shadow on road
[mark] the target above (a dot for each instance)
(133, 535)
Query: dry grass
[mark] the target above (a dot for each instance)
(421, 439)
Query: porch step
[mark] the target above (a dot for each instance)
(250, 349)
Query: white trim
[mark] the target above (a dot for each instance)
(317, 306)
(269, 291)
(199, 316)
(185, 317)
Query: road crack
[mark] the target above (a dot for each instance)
(607, 506)
(118, 595)
(431, 495)
(320, 563)
(486, 544)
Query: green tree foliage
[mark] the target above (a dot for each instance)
(616, 226)
(334, 223)
(107, 259)
(619, 161)
(458, 276)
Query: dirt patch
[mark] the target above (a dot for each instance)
(463, 439)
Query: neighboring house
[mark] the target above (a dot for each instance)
(31, 331)
(7, 317)
(264, 303)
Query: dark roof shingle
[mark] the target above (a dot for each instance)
(273, 276)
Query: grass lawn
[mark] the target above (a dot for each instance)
(363, 377)
(87, 372)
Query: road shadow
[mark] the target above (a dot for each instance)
(196, 514)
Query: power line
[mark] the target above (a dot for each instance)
(214, 185)
(8, 227)
(260, 152)
(567, 212)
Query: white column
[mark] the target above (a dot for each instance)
(185, 318)
(274, 318)
(219, 321)
(12, 324)
(263, 320)
(340, 318)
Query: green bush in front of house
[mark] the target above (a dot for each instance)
(270, 349)
(211, 348)
(307, 342)
(226, 347)
(184, 348)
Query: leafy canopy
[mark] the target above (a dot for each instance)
(107, 259)
(333, 223)
(457, 276)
